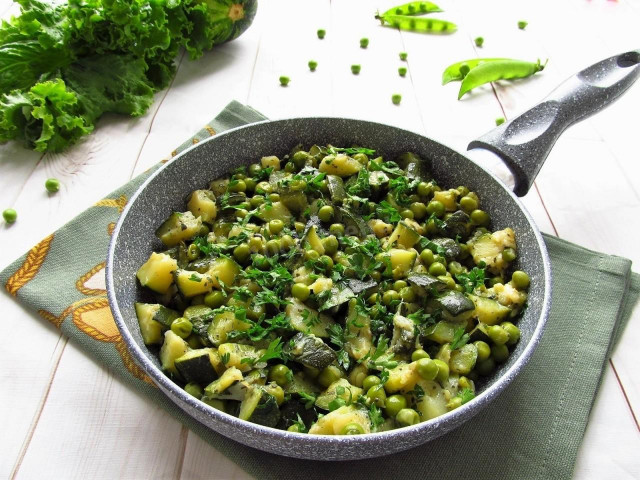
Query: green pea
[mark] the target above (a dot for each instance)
(407, 417)
(327, 261)
(468, 204)
(181, 327)
(402, 71)
(418, 354)
(370, 381)
(464, 70)
(419, 210)
(274, 197)
(355, 69)
(484, 350)
(499, 121)
(494, 280)
(407, 213)
(407, 294)
(321, 33)
(281, 374)
(10, 215)
(276, 226)
(299, 226)
(396, 98)
(513, 331)
(326, 213)
(286, 242)
(485, 367)
(300, 291)
(256, 244)
(352, 429)
(237, 186)
(313, 65)
(437, 269)
(336, 229)
(329, 375)
(479, 41)
(497, 334)
(256, 201)
(426, 256)
(508, 254)
(443, 371)
(330, 244)
(52, 185)
(499, 353)
(364, 42)
(480, 217)
(194, 390)
(273, 247)
(403, 56)
(393, 405)
(215, 403)
(284, 80)
(424, 189)
(435, 207)
(242, 252)
(376, 275)
(522, 24)
(289, 167)
(255, 169)
(455, 268)
(389, 296)
(377, 395)
(311, 255)
(300, 158)
(520, 279)
(263, 188)
(399, 285)
(214, 299)
(427, 368)
(373, 299)
(261, 262)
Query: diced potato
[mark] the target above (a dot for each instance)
(447, 198)
(228, 378)
(223, 270)
(179, 227)
(402, 261)
(380, 228)
(173, 347)
(150, 329)
(434, 402)
(402, 378)
(274, 211)
(191, 283)
(270, 162)
(509, 296)
(157, 272)
(359, 339)
(488, 248)
(321, 284)
(340, 165)
(334, 422)
(350, 393)
(314, 240)
(403, 235)
(302, 275)
(202, 203)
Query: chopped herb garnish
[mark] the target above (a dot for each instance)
(309, 398)
(274, 351)
(459, 338)
(466, 395)
(195, 278)
(472, 280)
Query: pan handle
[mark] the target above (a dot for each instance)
(524, 142)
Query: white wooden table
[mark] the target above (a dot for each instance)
(64, 416)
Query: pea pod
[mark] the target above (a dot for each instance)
(418, 24)
(413, 8)
(498, 70)
(453, 72)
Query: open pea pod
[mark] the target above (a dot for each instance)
(411, 23)
(454, 72)
(413, 8)
(498, 70)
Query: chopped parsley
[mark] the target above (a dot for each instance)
(195, 278)
(466, 395)
(459, 338)
(309, 398)
(274, 351)
(375, 415)
(386, 212)
(472, 280)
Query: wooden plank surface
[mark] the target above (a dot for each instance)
(76, 420)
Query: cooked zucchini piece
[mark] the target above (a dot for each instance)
(339, 294)
(457, 224)
(359, 339)
(441, 332)
(301, 384)
(179, 227)
(196, 311)
(402, 378)
(463, 359)
(489, 311)
(228, 378)
(223, 270)
(414, 167)
(219, 186)
(202, 203)
(434, 402)
(310, 351)
(449, 246)
(274, 211)
(455, 306)
(222, 324)
(296, 202)
(259, 407)
(201, 366)
(191, 283)
(404, 337)
(336, 189)
(340, 165)
(488, 248)
(339, 389)
(306, 319)
(334, 422)
(509, 296)
(425, 282)
(157, 272)
(236, 392)
(153, 319)
(291, 410)
(172, 348)
(353, 222)
(240, 356)
(403, 236)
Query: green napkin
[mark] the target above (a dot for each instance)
(532, 430)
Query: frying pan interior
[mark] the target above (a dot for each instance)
(167, 189)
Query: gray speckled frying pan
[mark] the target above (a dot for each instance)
(522, 143)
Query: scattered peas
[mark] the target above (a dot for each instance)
(352, 429)
(10, 215)
(403, 56)
(326, 213)
(281, 374)
(520, 279)
(181, 327)
(364, 42)
(402, 71)
(52, 185)
(284, 80)
(313, 65)
(370, 381)
(499, 121)
(522, 24)
(427, 368)
(418, 354)
(355, 69)
(407, 416)
(396, 98)
(393, 405)
(479, 41)
(321, 33)
(300, 291)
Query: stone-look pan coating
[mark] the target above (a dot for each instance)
(167, 190)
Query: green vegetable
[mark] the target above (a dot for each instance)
(403, 56)
(52, 185)
(284, 80)
(313, 65)
(407, 417)
(519, 279)
(396, 98)
(402, 71)
(355, 69)
(495, 70)
(413, 8)
(499, 121)
(10, 215)
(364, 42)
(200, 366)
(64, 65)
(479, 41)
(418, 24)
(522, 24)
(321, 33)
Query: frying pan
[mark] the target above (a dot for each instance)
(522, 144)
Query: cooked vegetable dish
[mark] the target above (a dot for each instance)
(332, 292)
